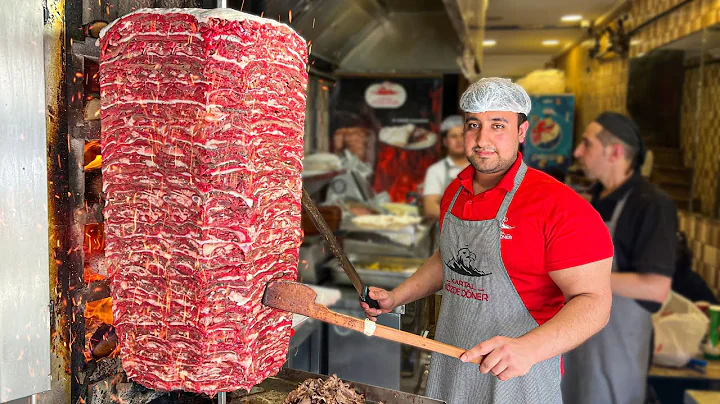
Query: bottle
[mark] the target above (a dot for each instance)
(712, 346)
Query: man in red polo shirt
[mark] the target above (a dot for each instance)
(523, 267)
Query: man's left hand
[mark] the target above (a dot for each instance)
(504, 357)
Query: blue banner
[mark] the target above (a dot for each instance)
(549, 141)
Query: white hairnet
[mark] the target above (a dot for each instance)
(495, 94)
(451, 122)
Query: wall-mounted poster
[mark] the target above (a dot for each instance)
(549, 141)
(392, 125)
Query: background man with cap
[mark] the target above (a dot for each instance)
(612, 366)
(440, 174)
(523, 266)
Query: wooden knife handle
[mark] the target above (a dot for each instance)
(322, 313)
(417, 341)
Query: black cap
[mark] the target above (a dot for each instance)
(625, 129)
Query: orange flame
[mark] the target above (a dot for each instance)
(100, 310)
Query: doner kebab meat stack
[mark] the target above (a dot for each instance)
(202, 144)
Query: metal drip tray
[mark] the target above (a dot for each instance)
(275, 389)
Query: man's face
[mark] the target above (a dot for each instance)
(492, 140)
(594, 158)
(454, 141)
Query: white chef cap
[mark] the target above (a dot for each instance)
(451, 122)
(495, 94)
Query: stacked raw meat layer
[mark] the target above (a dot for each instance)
(202, 124)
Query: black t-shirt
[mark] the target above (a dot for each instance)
(645, 238)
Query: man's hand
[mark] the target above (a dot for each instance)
(425, 281)
(504, 357)
(385, 300)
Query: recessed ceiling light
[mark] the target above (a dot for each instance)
(550, 42)
(571, 18)
(489, 42)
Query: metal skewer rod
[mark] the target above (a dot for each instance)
(222, 396)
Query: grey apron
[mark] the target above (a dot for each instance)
(479, 302)
(611, 367)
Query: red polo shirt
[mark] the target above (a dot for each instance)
(549, 227)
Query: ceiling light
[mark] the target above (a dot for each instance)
(489, 42)
(571, 18)
(550, 42)
(635, 42)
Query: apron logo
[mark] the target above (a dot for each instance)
(505, 226)
(465, 263)
(466, 290)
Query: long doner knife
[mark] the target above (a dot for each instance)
(320, 224)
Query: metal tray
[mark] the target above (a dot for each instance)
(381, 279)
(274, 390)
(375, 277)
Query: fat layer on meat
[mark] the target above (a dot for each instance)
(202, 117)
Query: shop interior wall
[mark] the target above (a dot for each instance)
(601, 85)
(707, 164)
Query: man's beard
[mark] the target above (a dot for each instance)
(485, 166)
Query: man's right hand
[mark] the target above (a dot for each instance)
(385, 299)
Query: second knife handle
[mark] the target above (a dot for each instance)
(365, 297)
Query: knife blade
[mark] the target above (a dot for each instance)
(317, 219)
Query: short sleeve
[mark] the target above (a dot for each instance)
(433, 182)
(655, 246)
(575, 234)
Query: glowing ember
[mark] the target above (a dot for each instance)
(100, 310)
(94, 238)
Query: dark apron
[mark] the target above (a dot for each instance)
(611, 367)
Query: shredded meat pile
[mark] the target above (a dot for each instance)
(318, 391)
